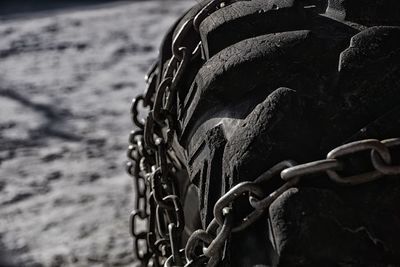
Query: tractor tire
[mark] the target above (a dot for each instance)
(292, 79)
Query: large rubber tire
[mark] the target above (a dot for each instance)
(291, 80)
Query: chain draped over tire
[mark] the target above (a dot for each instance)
(157, 221)
(152, 164)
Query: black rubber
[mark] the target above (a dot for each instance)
(293, 79)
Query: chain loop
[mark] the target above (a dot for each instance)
(264, 203)
(132, 220)
(159, 113)
(219, 241)
(135, 111)
(310, 168)
(141, 248)
(380, 163)
(133, 153)
(149, 132)
(177, 78)
(274, 171)
(193, 242)
(227, 199)
(176, 206)
(133, 135)
(175, 235)
(171, 262)
(177, 43)
(354, 147)
(158, 190)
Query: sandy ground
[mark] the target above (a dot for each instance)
(66, 82)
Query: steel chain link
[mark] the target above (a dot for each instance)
(291, 173)
(158, 207)
(151, 162)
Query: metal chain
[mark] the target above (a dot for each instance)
(158, 207)
(151, 161)
(140, 214)
(291, 173)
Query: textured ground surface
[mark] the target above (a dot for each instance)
(66, 82)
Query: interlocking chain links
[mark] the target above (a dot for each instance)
(166, 92)
(291, 173)
(153, 167)
(380, 164)
(213, 240)
(140, 214)
(157, 202)
(162, 115)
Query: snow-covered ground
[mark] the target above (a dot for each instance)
(66, 82)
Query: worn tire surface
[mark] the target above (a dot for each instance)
(291, 80)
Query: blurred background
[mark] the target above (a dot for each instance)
(68, 72)
(20, 7)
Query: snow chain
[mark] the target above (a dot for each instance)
(153, 165)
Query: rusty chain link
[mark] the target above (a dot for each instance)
(152, 164)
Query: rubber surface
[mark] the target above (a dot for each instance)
(291, 80)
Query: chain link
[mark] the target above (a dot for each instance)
(291, 173)
(381, 165)
(153, 166)
(135, 111)
(351, 148)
